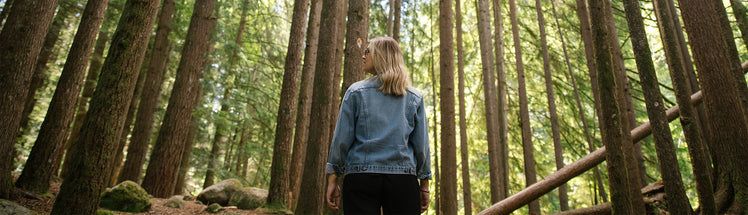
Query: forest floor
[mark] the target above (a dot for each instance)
(44, 205)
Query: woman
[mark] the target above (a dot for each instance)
(381, 140)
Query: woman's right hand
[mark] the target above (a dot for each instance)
(333, 192)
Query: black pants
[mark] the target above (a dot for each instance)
(395, 194)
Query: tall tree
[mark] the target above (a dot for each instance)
(39, 167)
(489, 91)
(92, 76)
(390, 17)
(116, 166)
(464, 157)
(20, 43)
(529, 158)
(310, 199)
(712, 59)
(447, 102)
(141, 135)
(688, 117)
(741, 16)
(563, 196)
(577, 98)
(221, 136)
(100, 132)
(179, 184)
(589, 53)
(305, 96)
(396, 20)
(500, 187)
(46, 55)
(280, 170)
(356, 41)
(732, 49)
(166, 156)
(612, 128)
(666, 157)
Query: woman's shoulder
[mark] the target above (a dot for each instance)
(413, 91)
(363, 84)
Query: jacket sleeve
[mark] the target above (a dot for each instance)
(419, 138)
(344, 135)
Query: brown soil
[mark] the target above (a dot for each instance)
(44, 205)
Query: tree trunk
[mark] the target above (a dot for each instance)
(529, 158)
(741, 16)
(447, 103)
(612, 125)
(677, 200)
(20, 43)
(46, 55)
(100, 132)
(304, 103)
(280, 172)
(92, 76)
(589, 53)
(722, 103)
(188, 145)
(563, 197)
(464, 157)
(691, 128)
(119, 157)
(396, 20)
(166, 156)
(356, 41)
(489, 91)
(732, 49)
(434, 95)
(500, 187)
(313, 182)
(141, 135)
(219, 139)
(390, 17)
(39, 167)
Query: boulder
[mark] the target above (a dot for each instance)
(214, 208)
(219, 193)
(175, 202)
(127, 196)
(11, 208)
(249, 198)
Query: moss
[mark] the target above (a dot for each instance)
(214, 208)
(126, 196)
(104, 212)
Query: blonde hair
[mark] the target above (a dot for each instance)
(389, 66)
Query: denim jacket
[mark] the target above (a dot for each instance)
(379, 133)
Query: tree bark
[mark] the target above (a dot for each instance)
(677, 200)
(563, 196)
(20, 43)
(688, 119)
(141, 135)
(100, 132)
(489, 91)
(116, 166)
(447, 102)
(189, 143)
(280, 172)
(722, 103)
(219, 139)
(589, 53)
(396, 20)
(356, 41)
(464, 157)
(732, 49)
(166, 156)
(313, 182)
(304, 103)
(529, 158)
(500, 187)
(612, 126)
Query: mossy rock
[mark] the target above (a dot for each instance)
(220, 193)
(11, 208)
(127, 196)
(249, 198)
(214, 208)
(175, 202)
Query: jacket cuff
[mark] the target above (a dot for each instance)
(333, 169)
(424, 176)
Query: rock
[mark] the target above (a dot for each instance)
(104, 212)
(127, 196)
(249, 198)
(175, 202)
(188, 198)
(11, 208)
(214, 208)
(220, 193)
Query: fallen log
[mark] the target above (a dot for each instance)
(654, 195)
(565, 174)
